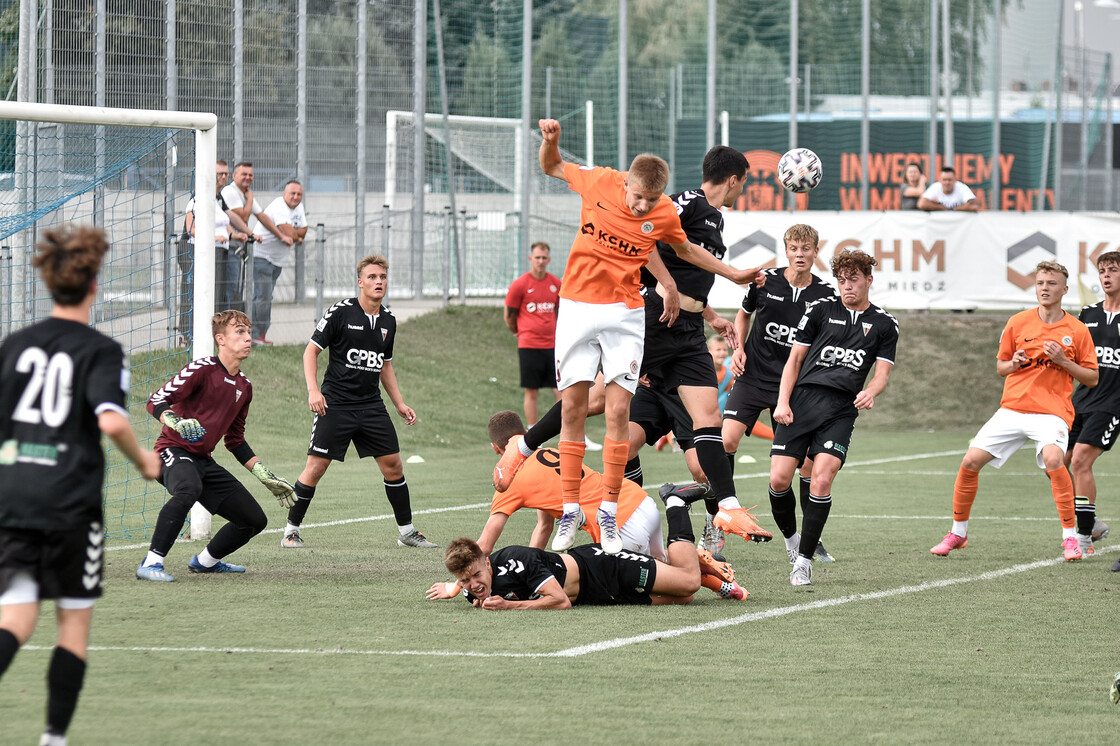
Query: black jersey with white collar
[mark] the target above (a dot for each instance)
(703, 224)
(359, 344)
(844, 344)
(1104, 327)
(776, 309)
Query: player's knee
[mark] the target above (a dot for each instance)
(184, 497)
(258, 523)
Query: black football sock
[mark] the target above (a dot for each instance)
(547, 427)
(713, 460)
(731, 463)
(680, 525)
(805, 486)
(1086, 515)
(633, 470)
(64, 684)
(812, 525)
(397, 492)
(784, 509)
(9, 646)
(297, 512)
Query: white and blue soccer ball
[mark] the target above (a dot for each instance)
(799, 170)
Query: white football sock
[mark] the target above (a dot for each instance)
(960, 528)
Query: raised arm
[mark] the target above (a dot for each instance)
(551, 161)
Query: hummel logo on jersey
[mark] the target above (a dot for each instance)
(771, 296)
(356, 327)
(841, 322)
(229, 381)
(511, 566)
(710, 224)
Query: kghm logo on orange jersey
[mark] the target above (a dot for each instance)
(614, 243)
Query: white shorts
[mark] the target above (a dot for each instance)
(592, 334)
(642, 530)
(1007, 432)
(24, 590)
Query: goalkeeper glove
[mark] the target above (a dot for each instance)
(285, 493)
(191, 429)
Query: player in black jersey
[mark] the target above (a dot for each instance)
(837, 343)
(518, 577)
(359, 332)
(1096, 422)
(64, 385)
(206, 402)
(772, 314)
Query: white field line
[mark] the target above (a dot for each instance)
(620, 642)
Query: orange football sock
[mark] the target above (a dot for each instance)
(1062, 487)
(711, 582)
(571, 470)
(964, 493)
(614, 465)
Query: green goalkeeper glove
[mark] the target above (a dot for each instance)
(285, 493)
(191, 429)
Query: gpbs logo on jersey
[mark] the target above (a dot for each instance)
(780, 333)
(365, 359)
(833, 355)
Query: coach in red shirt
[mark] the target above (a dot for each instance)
(531, 314)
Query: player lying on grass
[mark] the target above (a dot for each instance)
(525, 578)
(1042, 351)
(207, 401)
(537, 486)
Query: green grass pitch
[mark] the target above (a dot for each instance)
(1001, 642)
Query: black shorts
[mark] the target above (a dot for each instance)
(660, 412)
(538, 368)
(1097, 429)
(823, 421)
(185, 472)
(613, 579)
(370, 430)
(65, 564)
(677, 354)
(745, 403)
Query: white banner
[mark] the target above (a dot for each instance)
(939, 260)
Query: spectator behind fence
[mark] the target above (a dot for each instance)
(912, 187)
(272, 253)
(948, 194)
(227, 225)
(242, 203)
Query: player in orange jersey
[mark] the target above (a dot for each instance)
(601, 318)
(1042, 351)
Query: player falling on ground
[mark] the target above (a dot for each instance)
(518, 577)
(601, 317)
(537, 486)
(207, 401)
(837, 343)
(1096, 420)
(772, 313)
(1042, 351)
(64, 385)
(359, 332)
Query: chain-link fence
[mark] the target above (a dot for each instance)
(326, 91)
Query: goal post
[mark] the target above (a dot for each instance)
(70, 199)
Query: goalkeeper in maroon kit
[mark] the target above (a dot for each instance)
(206, 401)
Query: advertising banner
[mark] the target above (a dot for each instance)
(942, 260)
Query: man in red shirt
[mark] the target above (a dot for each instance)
(530, 313)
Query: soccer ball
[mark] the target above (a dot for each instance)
(799, 170)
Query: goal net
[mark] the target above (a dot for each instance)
(130, 172)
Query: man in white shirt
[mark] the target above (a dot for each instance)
(948, 194)
(241, 203)
(272, 252)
